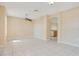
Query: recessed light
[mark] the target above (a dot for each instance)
(36, 10)
(51, 4)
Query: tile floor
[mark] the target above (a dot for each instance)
(37, 47)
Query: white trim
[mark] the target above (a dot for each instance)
(5, 30)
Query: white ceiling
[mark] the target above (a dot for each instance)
(19, 9)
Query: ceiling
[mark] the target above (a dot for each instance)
(26, 9)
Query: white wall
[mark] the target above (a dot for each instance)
(70, 27)
(40, 28)
(19, 28)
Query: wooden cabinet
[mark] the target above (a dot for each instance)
(53, 33)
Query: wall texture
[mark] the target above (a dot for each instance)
(19, 28)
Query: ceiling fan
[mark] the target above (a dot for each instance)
(26, 18)
(29, 18)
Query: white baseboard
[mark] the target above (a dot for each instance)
(75, 45)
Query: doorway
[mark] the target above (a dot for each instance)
(53, 30)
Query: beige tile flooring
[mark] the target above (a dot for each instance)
(37, 47)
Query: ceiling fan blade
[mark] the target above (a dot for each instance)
(28, 19)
